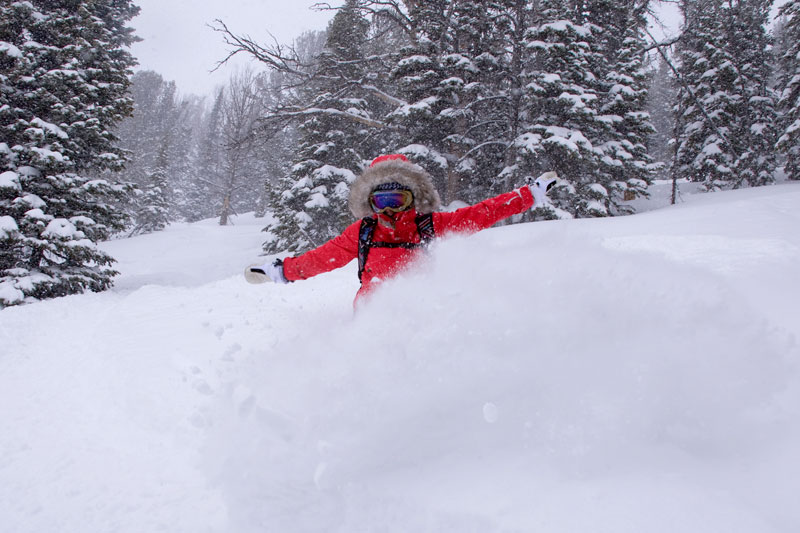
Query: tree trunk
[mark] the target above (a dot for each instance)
(226, 207)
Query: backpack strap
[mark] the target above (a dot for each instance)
(425, 228)
(365, 232)
(367, 229)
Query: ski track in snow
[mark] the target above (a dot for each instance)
(616, 375)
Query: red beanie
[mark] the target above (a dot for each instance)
(387, 157)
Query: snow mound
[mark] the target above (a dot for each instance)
(615, 375)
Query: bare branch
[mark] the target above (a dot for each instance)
(278, 57)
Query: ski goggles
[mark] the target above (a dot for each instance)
(391, 201)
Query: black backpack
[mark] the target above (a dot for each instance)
(367, 229)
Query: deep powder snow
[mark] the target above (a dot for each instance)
(634, 374)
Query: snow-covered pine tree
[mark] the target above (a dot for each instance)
(561, 111)
(706, 107)
(789, 90)
(625, 168)
(491, 37)
(422, 82)
(152, 197)
(725, 119)
(518, 16)
(335, 141)
(747, 39)
(456, 77)
(475, 89)
(585, 106)
(64, 77)
(275, 144)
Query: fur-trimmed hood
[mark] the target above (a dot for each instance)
(426, 197)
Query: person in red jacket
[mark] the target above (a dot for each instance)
(397, 206)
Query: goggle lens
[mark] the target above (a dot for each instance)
(393, 200)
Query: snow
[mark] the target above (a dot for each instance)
(458, 61)
(10, 293)
(46, 153)
(598, 190)
(596, 208)
(8, 226)
(561, 26)
(416, 61)
(623, 374)
(63, 228)
(423, 106)
(52, 128)
(712, 149)
(10, 50)
(38, 214)
(329, 172)
(422, 152)
(317, 200)
(9, 180)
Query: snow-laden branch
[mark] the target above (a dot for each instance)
(287, 113)
(388, 98)
(662, 44)
(483, 145)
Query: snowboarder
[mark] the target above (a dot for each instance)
(396, 204)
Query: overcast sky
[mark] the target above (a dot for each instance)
(178, 44)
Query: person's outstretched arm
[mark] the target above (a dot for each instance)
(334, 254)
(484, 214)
(489, 212)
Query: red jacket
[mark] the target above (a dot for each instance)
(384, 263)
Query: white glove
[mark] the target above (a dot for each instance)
(541, 186)
(274, 271)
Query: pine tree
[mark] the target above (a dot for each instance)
(706, 108)
(423, 84)
(153, 205)
(311, 202)
(789, 91)
(562, 109)
(725, 119)
(626, 167)
(484, 102)
(64, 76)
(457, 78)
(746, 37)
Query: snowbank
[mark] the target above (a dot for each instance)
(616, 375)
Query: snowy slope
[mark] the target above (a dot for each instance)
(634, 374)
